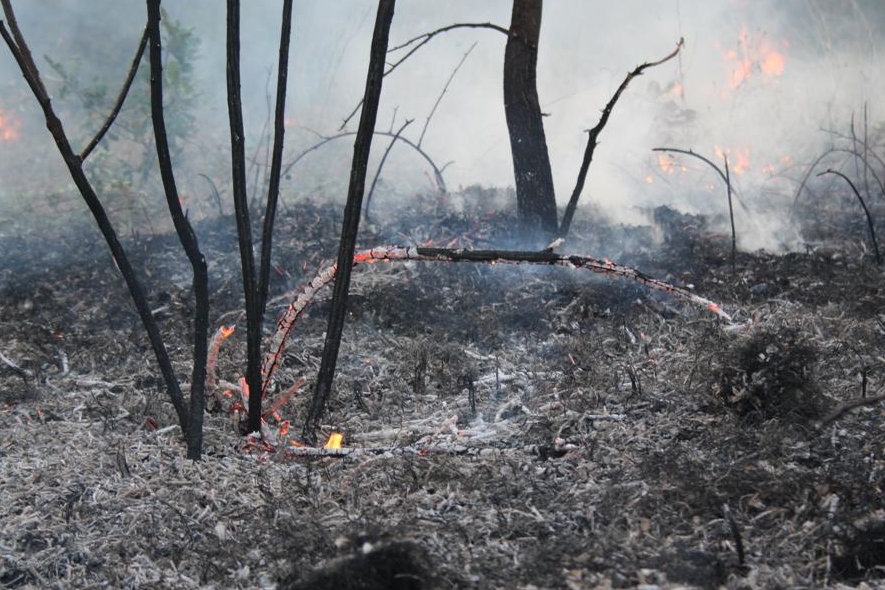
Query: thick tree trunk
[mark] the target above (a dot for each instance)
(536, 201)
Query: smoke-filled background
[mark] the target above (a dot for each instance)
(766, 83)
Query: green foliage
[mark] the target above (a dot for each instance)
(126, 157)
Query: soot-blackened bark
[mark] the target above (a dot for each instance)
(535, 197)
(352, 210)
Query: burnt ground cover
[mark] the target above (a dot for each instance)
(505, 427)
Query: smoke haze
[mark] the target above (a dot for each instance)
(759, 81)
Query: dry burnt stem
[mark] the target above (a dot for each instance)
(611, 424)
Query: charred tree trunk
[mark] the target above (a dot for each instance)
(535, 198)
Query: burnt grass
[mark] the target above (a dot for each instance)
(522, 427)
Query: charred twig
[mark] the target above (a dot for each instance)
(381, 165)
(729, 191)
(350, 224)
(849, 406)
(422, 40)
(865, 210)
(20, 371)
(215, 194)
(710, 163)
(805, 178)
(593, 135)
(735, 534)
(390, 253)
(121, 98)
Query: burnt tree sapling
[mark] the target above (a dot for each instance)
(352, 211)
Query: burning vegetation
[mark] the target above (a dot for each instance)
(692, 415)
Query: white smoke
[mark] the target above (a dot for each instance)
(769, 124)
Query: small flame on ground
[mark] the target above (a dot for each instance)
(335, 441)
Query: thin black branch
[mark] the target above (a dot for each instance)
(121, 98)
(865, 210)
(441, 94)
(241, 209)
(273, 188)
(730, 213)
(350, 224)
(423, 40)
(185, 234)
(381, 166)
(594, 135)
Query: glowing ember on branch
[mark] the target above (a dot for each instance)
(9, 127)
(390, 253)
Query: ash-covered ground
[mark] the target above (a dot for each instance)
(507, 427)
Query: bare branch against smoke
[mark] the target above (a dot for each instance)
(276, 164)
(421, 40)
(729, 191)
(593, 136)
(18, 47)
(352, 211)
(381, 164)
(866, 211)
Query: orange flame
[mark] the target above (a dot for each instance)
(738, 159)
(754, 54)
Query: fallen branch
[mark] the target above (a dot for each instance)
(391, 253)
